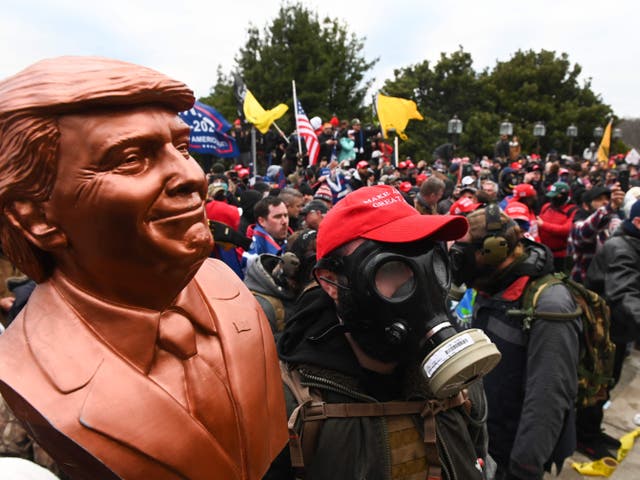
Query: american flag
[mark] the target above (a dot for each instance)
(305, 130)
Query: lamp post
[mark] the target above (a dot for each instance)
(454, 129)
(572, 132)
(502, 145)
(506, 128)
(598, 132)
(616, 134)
(538, 131)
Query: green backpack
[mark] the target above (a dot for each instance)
(595, 366)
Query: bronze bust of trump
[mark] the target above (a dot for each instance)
(136, 357)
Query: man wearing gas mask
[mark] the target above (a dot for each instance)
(531, 392)
(376, 376)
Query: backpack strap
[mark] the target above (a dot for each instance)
(301, 445)
(307, 418)
(529, 312)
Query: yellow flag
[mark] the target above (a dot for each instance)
(394, 112)
(260, 117)
(605, 143)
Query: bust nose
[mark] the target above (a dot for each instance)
(186, 177)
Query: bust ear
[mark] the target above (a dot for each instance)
(30, 219)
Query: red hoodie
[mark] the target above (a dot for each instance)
(555, 228)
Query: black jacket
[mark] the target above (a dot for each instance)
(314, 344)
(614, 273)
(532, 390)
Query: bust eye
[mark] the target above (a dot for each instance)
(131, 164)
(183, 148)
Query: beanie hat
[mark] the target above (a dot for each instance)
(381, 213)
(316, 122)
(635, 210)
(324, 193)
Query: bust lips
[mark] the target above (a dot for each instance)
(176, 210)
(188, 225)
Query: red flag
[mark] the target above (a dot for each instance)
(306, 131)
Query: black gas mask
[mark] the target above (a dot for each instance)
(392, 300)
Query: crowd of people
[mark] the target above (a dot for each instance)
(529, 217)
(347, 258)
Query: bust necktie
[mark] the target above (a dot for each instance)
(208, 396)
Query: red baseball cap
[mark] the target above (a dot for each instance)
(362, 164)
(421, 178)
(524, 190)
(463, 205)
(243, 172)
(402, 165)
(238, 167)
(516, 165)
(381, 213)
(517, 211)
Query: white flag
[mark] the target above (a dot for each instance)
(633, 157)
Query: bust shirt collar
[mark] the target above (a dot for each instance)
(131, 331)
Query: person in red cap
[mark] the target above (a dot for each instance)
(420, 179)
(463, 206)
(382, 279)
(362, 177)
(524, 200)
(520, 213)
(555, 222)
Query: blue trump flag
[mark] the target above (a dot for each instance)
(208, 131)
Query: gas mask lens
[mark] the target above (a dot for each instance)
(394, 280)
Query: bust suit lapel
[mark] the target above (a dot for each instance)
(113, 398)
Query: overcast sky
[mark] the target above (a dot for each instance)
(188, 39)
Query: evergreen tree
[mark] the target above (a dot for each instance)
(322, 56)
(528, 88)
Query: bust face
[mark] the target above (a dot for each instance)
(130, 201)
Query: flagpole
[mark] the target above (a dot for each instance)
(254, 153)
(295, 111)
(280, 132)
(395, 147)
